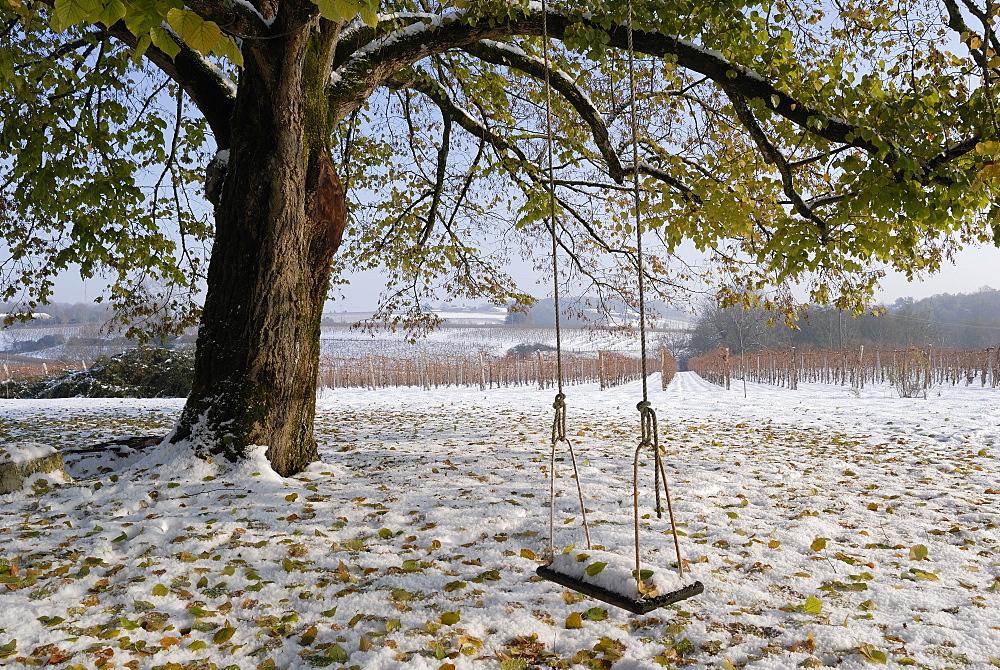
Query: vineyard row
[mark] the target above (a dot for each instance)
(486, 371)
(911, 371)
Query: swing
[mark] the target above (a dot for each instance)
(643, 600)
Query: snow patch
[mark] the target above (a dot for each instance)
(19, 453)
(617, 573)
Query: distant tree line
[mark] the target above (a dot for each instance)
(954, 321)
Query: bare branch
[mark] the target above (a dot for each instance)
(439, 177)
(772, 155)
(499, 53)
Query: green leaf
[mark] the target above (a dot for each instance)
(385, 533)
(160, 590)
(112, 13)
(197, 644)
(595, 614)
(595, 569)
(200, 35)
(819, 544)
(224, 634)
(918, 552)
(337, 653)
(872, 654)
(923, 574)
(140, 18)
(71, 12)
(487, 576)
(813, 605)
(8, 649)
(164, 41)
(451, 618)
(574, 620)
(369, 17)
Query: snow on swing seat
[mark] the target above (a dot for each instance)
(606, 577)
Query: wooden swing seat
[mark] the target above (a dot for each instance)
(634, 605)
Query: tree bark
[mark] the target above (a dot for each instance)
(279, 221)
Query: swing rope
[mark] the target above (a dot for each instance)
(649, 436)
(646, 601)
(559, 420)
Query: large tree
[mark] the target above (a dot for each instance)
(783, 139)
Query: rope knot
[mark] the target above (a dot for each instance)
(647, 418)
(559, 421)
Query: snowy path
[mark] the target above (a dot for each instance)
(829, 528)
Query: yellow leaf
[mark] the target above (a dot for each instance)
(337, 10)
(990, 173)
(199, 34)
(813, 605)
(574, 620)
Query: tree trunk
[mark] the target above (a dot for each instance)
(279, 221)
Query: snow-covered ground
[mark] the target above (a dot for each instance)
(828, 527)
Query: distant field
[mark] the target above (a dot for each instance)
(341, 341)
(82, 344)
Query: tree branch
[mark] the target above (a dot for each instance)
(499, 53)
(416, 79)
(773, 156)
(362, 69)
(207, 86)
(240, 19)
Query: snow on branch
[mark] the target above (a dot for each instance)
(362, 66)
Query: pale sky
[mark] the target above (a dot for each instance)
(974, 269)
